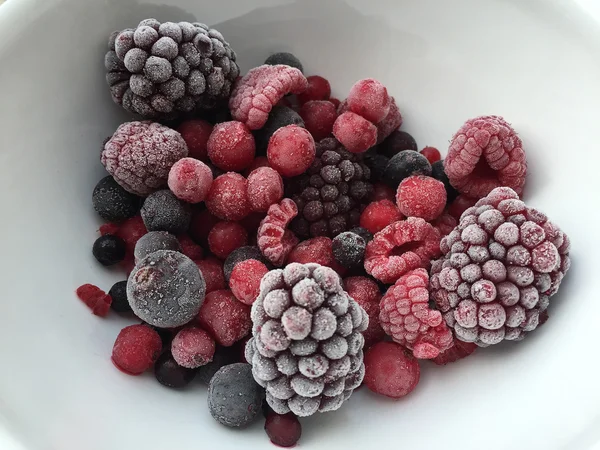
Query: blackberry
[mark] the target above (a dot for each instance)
(403, 165)
(161, 70)
(279, 117)
(438, 172)
(332, 194)
(118, 293)
(284, 58)
(112, 202)
(397, 142)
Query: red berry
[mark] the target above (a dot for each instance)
(421, 196)
(131, 231)
(192, 347)
(383, 192)
(231, 146)
(445, 224)
(366, 293)
(136, 349)
(318, 89)
(225, 237)
(283, 430)
(189, 248)
(460, 205)
(432, 154)
(458, 351)
(336, 102)
(95, 299)
(355, 133)
(245, 278)
(259, 161)
(390, 123)
(201, 224)
(317, 250)
(369, 99)
(378, 215)
(390, 370)
(226, 319)
(108, 228)
(228, 197)
(291, 150)
(190, 180)
(265, 187)
(195, 133)
(319, 117)
(212, 271)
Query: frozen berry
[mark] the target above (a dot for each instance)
(366, 293)
(396, 142)
(112, 202)
(109, 250)
(118, 294)
(279, 117)
(136, 349)
(225, 318)
(234, 398)
(201, 224)
(437, 172)
(285, 58)
(265, 187)
(284, 430)
(291, 150)
(378, 215)
(189, 248)
(192, 347)
(162, 211)
(223, 357)
(421, 196)
(369, 98)
(190, 180)
(319, 117)
(432, 154)
(259, 161)
(131, 231)
(242, 254)
(390, 123)
(349, 249)
(231, 146)
(363, 233)
(273, 238)
(228, 197)
(154, 241)
(195, 133)
(225, 237)
(166, 289)
(245, 280)
(460, 205)
(390, 371)
(170, 374)
(355, 133)
(458, 351)
(95, 299)
(383, 192)
(403, 165)
(318, 89)
(318, 250)
(212, 271)
(377, 163)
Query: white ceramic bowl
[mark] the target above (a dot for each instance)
(535, 62)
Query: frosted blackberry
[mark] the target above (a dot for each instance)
(279, 117)
(162, 211)
(306, 349)
(284, 58)
(349, 249)
(332, 194)
(161, 70)
(112, 202)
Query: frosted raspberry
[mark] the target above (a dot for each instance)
(366, 293)
(445, 224)
(486, 153)
(260, 89)
(390, 370)
(406, 317)
(369, 98)
(212, 271)
(459, 350)
(190, 180)
(354, 132)
(421, 196)
(226, 319)
(228, 197)
(195, 133)
(231, 146)
(192, 347)
(274, 240)
(317, 88)
(291, 150)
(225, 237)
(245, 278)
(319, 117)
(378, 215)
(265, 188)
(432, 154)
(139, 155)
(390, 123)
(401, 247)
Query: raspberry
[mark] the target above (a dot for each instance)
(420, 196)
(500, 267)
(460, 205)
(318, 88)
(366, 293)
(401, 247)
(225, 237)
(265, 188)
(136, 349)
(390, 123)
(189, 248)
(406, 317)
(390, 371)
(379, 215)
(228, 197)
(274, 240)
(396, 142)
(212, 271)
(190, 180)
(95, 299)
(445, 224)
(291, 150)
(201, 224)
(403, 165)
(139, 155)
(319, 117)
(383, 192)
(192, 347)
(354, 132)
(279, 117)
(195, 133)
(284, 430)
(231, 146)
(260, 89)
(226, 319)
(285, 58)
(259, 161)
(349, 249)
(432, 154)
(458, 351)
(484, 154)
(245, 280)
(369, 99)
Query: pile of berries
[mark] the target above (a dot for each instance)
(285, 247)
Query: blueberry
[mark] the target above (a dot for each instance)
(223, 356)
(118, 293)
(349, 249)
(170, 374)
(396, 142)
(112, 202)
(109, 249)
(403, 165)
(162, 211)
(377, 163)
(279, 117)
(438, 172)
(284, 58)
(363, 233)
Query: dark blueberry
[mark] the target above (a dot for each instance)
(349, 249)
(170, 374)
(363, 233)
(279, 117)
(377, 164)
(242, 254)
(162, 211)
(112, 202)
(223, 356)
(118, 293)
(403, 165)
(166, 335)
(438, 172)
(109, 249)
(284, 58)
(397, 142)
